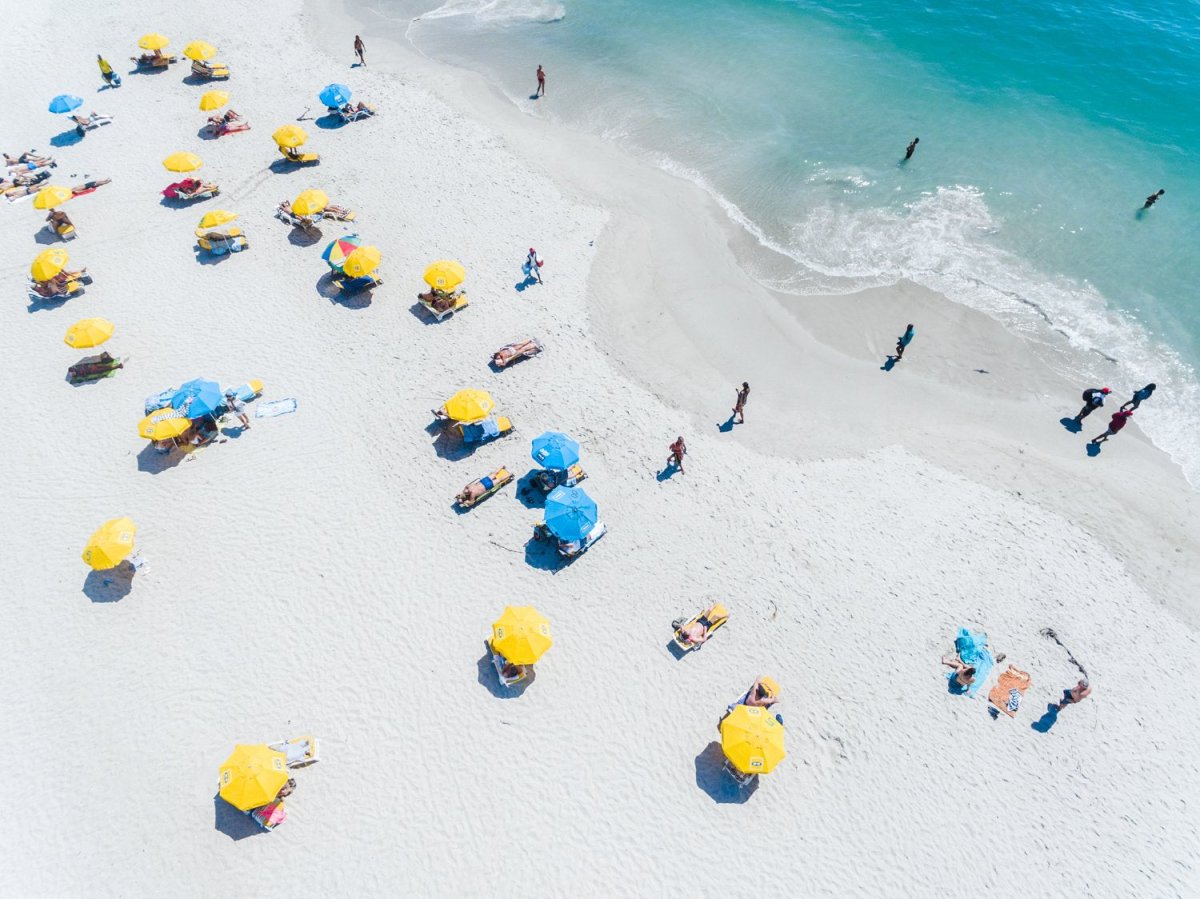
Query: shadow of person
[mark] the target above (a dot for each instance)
(522, 286)
(667, 473)
(490, 679)
(726, 426)
(1093, 450)
(46, 236)
(229, 821)
(109, 586)
(1071, 424)
(713, 780)
(152, 461)
(1048, 720)
(66, 138)
(889, 363)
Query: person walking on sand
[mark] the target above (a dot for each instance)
(903, 342)
(912, 148)
(1077, 693)
(678, 451)
(237, 407)
(1153, 198)
(541, 88)
(533, 265)
(360, 50)
(1139, 397)
(1118, 421)
(739, 406)
(1093, 399)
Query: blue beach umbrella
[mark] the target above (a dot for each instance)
(65, 103)
(335, 95)
(201, 396)
(570, 513)
(555, 451)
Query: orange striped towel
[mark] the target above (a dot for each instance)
(1011, 686)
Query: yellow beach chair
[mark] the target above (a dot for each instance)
(301, 752)
(219, 243)
(716, 618)
(491, 484)
(441, 306)
(209, 69)
(500, 663)
(291, 154)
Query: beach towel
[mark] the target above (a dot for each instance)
(972, 650)
(1006, 695)
(276, 407)
(160, 400)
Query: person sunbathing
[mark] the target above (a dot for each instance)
(696, 632)
(52, 288)
(59, 220)
(350, 108)
(301, 221)
(441, 414)
(438, 299)
(762, 693)
(472, 492)
(189, 188)
(340, 213)
(291, 153)
(230, 115)
(30, 158)
(510, 671)
(964, 675)
(93, 120)
(507, 354)
(153, 58)
(286, 790)
(88, 186)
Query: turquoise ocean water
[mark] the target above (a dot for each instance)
(1043, 127)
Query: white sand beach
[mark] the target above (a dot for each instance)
(310, 575)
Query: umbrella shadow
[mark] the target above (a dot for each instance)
(528, 491)
(109, 586)
(329, 121)
(39, 304)
(285, 166)
(193, 80)
(712, 778)
(206, 258)
(152, 461)
(45, 237)
(229, 821)
(421, 314)
(543, 555)
(491, 680)
(181, 202)
(304, 237)
(354, 299)
(66, 139)
(206, 133)
(450, 446)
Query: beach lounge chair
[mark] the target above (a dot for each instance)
(301, 752)
(439, 304)
(229, 123)
(153, 61)
(295, 156)
(516, 351)
(500, 663)
(490, 428)
(190, 189)
(53, 290)
(218, 243)
(742, 779)
(354, 285)
(284, 212)
(489, 484)
(269, 816)
(570, 549)
(91, 123)
(719, 615)
(353, 114)
(65, 230)
(548, 479)
(209, 70)
(339, 213)
(93, 368)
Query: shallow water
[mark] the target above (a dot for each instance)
(1043, 127)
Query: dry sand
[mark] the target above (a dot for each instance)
(310, 575)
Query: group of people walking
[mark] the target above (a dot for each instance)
(1093, 399)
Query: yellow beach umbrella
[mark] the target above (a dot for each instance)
(362, 262)
(252, 775)
(199, 50)
(88, 332)
(470, 405)
(48, 263)
(182, 162)
(213, 100)
(310, 202)
(216, 218)
(111, 543)
(50, 196)
(290, 136)
(163, 424)
(522, 635)
(445, 274)
(752, 739)
(153, 41)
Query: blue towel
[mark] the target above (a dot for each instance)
(972, 650)
(160, 400)
(481, 431)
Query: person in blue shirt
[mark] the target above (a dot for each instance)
(903, 342)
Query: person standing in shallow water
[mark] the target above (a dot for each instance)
(912, 148)
(360, 50)
(1153, 198)
(1139, 397)
(541, 77)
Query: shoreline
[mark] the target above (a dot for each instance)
(691, 361)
